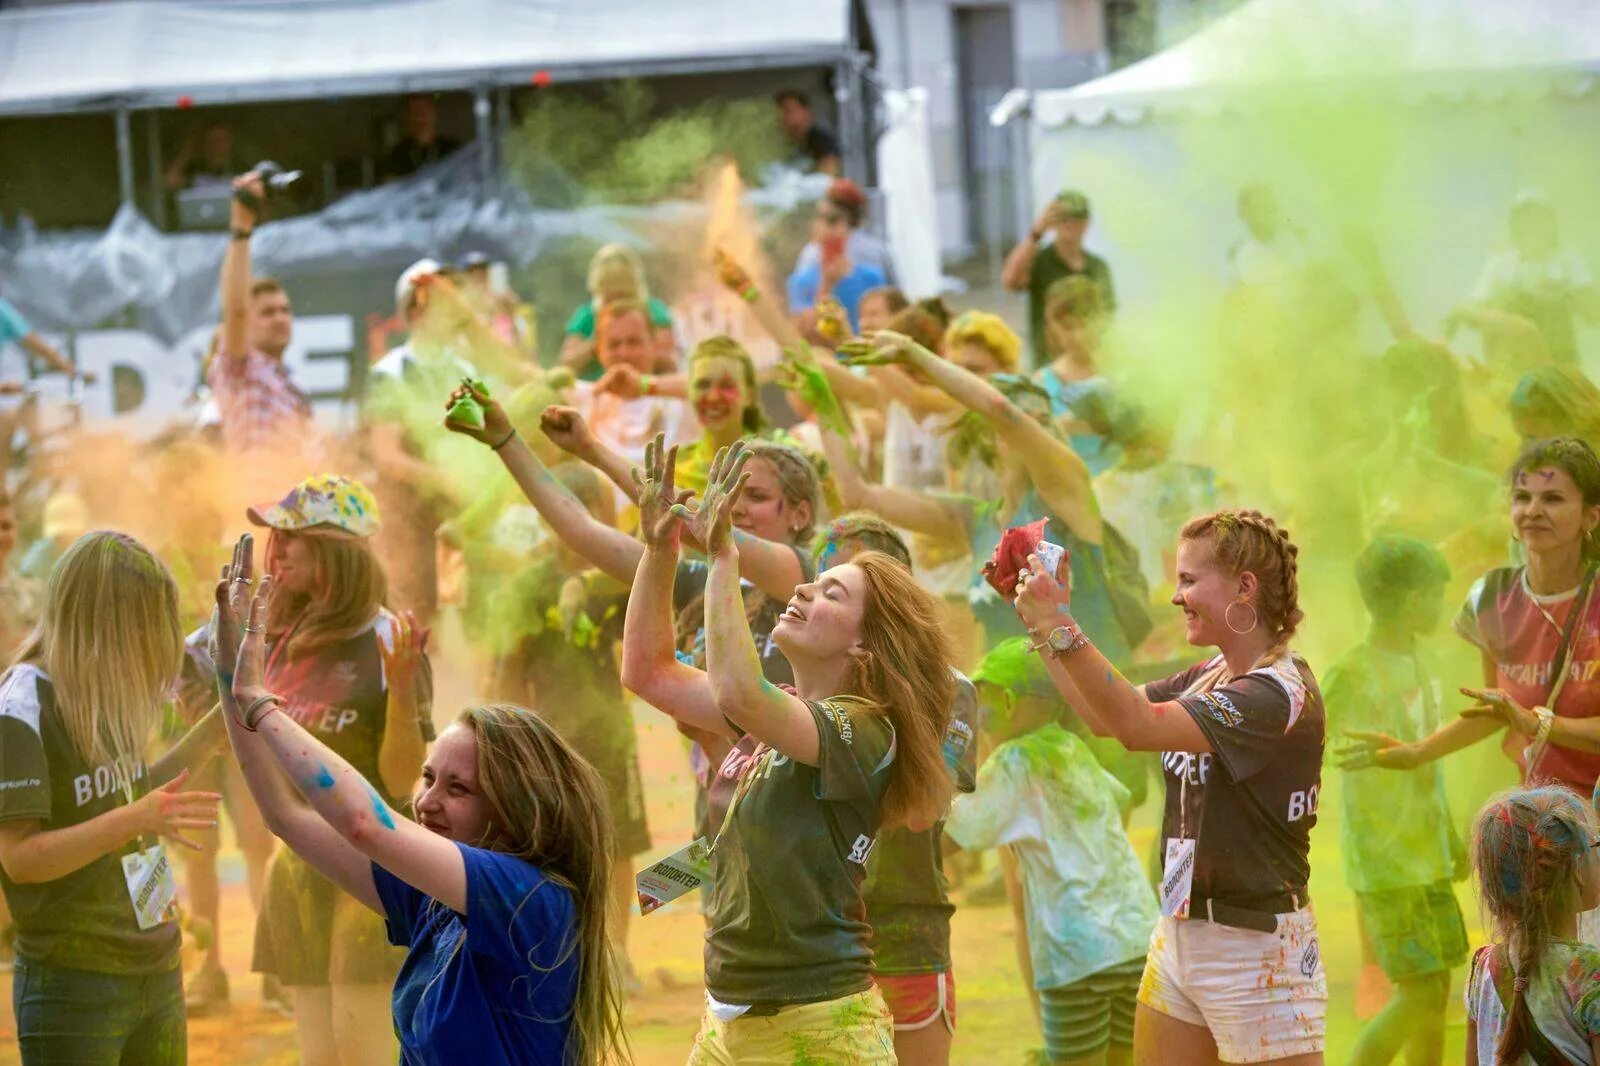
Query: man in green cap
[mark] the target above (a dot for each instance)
(1032, 269)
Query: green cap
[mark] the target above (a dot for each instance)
(1073, 203)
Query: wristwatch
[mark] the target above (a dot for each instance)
(241, 234)
(1062, 640)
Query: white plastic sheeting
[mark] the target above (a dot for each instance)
(1449, 50)
(905, 174)
(149, 53)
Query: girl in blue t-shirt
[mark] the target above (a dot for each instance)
(499, 891)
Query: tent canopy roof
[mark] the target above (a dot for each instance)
(154, 53)
(1434, 48)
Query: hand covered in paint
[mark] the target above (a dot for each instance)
(567, 430)
(496, 425)
(659, 495)
(730, 273)
(883, 348)
(1043, 600)
(1367, 750)
(167, 812)
(799, 373)
(711, 522)
(402, 660)
(832, 322)
(1502, 707)
(233, 603)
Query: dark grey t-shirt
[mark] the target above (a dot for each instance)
(788, 923)
(84, 920)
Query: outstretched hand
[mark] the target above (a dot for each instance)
(567, 430)
(401, 662)
(167, 812)
(496, 428)
(1500, 706)
(659, 495)
(711, 522)
(238, 630)
(1367, 750)
(883, 348)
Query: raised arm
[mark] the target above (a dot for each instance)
(236, 272)
(1018, 267)
(602, 546)
(405, 665)
(739, 689)
(906, 508)
(1057, 472)
(1096, 687)
(365, 829)
(650, 666)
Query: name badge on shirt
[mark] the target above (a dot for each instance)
(150, 885)
(1177, 877)
(675, 875)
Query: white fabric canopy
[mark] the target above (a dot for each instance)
(150, 53)
(1419, 49)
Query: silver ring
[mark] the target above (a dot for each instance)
(241, 581)
(255, 629)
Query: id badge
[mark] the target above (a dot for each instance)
(150, 885)
(1177, 877)
(678, 874)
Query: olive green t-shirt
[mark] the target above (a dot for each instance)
(787, 921)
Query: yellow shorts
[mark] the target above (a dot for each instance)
(854, 1029)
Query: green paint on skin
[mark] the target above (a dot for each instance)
(380, 808)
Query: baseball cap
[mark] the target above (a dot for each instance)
(406, 286)
(328, 502)
(1012, 668)
(1073, 203)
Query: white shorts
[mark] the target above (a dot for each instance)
(1263, 996)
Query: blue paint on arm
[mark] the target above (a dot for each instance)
(380, 808)
(324, 779)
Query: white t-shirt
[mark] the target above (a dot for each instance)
(626, 426)
(1089, 904)
(1563, 997)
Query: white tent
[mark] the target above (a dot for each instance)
(1429, 114)
(151, 53)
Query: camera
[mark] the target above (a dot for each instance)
(275, 181)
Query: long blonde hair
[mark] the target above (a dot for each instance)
(348, 589)
(906, 673)
(548, 807)
(111, 639)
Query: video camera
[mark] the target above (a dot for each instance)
(275, 181)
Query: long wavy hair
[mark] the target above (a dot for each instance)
(348, 589)
(548, 807)
(1526, 847)
(906, 676)
(111, 639)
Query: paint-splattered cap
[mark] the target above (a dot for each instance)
(1010, 666)
(327, 502)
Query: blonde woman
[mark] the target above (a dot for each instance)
(615, 273)
(326, 639)
(499, 894)
(82, 816)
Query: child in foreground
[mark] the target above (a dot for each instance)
(1534, 994)
(1090, 909)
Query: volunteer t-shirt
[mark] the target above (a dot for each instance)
(787, 920)
(1395, 831)
(339, 692)
(1563, 998)
(907, 894)
(1503, 618)
(1089, 904)
(496, 985)
(84, 920)
(1252, 800)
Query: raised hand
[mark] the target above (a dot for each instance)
(730, 273)
(401, 662)
(249, 677)
(568, 430)
(1367, 750)
(1043, 601)
(496, 428)
(832, 323)
(233, 602)
(1502, 707)
(659, 495)
(623, 380)
(799, 373)
(883, 348)
(711, 523)
(167, 812)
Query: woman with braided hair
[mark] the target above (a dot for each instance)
(1242, 737)
(1534, 994)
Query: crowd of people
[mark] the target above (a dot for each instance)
(901, 592)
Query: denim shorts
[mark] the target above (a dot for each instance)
(98, 1019)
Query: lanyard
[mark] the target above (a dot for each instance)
(746, 779)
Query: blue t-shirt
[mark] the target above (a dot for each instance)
(1079, 399)
(13, 327)
(804, 283)
(505, 995)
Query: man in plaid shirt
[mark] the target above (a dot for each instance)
(259, 406)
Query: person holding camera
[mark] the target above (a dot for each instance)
(259, 405)
(1031, 267)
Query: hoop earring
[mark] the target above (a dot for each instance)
(1255, 618)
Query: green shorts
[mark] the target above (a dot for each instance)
(1082, 1018)
(1415, 931)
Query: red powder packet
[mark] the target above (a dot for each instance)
(1011, 555)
